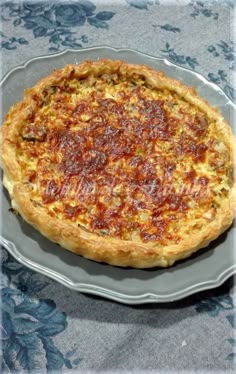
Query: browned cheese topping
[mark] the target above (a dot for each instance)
(123, 159)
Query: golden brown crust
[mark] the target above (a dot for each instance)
(111, 250)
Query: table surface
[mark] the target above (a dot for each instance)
(47, 327)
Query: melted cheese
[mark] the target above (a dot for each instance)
(123, 159)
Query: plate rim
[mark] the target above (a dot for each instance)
(147, 297)
(116, 50)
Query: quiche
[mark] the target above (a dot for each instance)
(120, 164)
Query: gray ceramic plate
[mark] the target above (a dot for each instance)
(207, 269)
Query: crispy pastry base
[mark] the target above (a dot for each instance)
(92, 246)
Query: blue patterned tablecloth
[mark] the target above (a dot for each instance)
(47, 327)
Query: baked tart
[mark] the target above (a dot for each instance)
(120, 164)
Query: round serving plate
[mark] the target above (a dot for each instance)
(206, 269)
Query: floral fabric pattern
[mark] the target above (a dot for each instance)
(54, 21)
(48, 328)
(28, 326)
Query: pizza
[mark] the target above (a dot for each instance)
(120, 164)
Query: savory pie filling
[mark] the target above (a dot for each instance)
(123, 159)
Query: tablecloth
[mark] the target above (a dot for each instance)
(46, 327)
